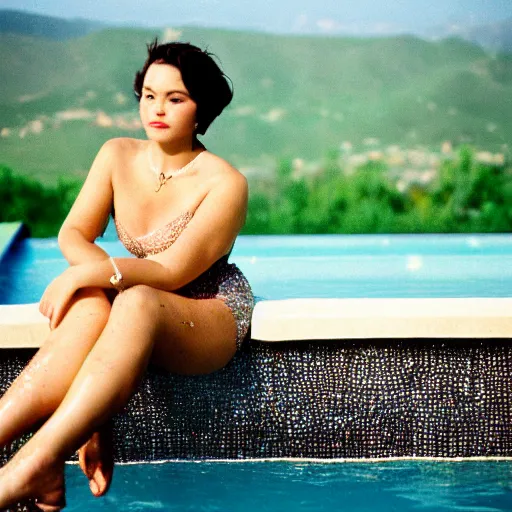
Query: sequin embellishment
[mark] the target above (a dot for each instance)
(157, 241)
(345, 399)
(225, 281)
(222, 280)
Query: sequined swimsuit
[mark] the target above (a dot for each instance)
(222, 280)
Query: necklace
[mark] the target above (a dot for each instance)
(163, 177)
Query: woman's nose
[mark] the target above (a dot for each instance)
(159, 109)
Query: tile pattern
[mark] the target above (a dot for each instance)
(333, 399)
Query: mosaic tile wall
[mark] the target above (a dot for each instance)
(332, 399)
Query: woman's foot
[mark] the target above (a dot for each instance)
(28, 477)
(96, 460)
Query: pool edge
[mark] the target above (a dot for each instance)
(23, 326)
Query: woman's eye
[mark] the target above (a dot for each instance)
(176, 100)
(148, 96)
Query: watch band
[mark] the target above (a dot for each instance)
(117, 279)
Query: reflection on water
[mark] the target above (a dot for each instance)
(281, 267)
(282, 486)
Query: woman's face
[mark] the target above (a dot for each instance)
(167, 111)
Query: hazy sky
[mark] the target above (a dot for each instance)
(327, 16)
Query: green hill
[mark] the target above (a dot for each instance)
(21, 22)
(496, 36)
(294, 96)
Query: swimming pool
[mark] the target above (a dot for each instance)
(299, 487)
(320, 266)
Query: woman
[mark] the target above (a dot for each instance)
(178, 305)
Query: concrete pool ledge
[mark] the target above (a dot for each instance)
(23, 326)
(325, 319)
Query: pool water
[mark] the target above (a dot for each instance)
(281, 267)
(300, 487)
(308, 266)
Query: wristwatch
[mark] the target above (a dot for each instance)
(117, 279)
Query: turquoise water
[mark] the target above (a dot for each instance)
(301, 487)
(312, 266)
(280, 267)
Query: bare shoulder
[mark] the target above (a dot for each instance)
(224, 175)
(122, 146)
(120, 154)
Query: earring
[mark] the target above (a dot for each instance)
(195, 126)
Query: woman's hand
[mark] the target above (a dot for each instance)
(57, 295)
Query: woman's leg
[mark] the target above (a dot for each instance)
(42, 385)
(179, 334)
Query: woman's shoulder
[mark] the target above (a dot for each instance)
(121, 154)
(123, 146)
(222, 172)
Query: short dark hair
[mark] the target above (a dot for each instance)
(205, 81)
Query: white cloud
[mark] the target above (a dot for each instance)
(328, 25)
(171, 34)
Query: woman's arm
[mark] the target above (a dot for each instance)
(90, 211)
(77, 249)
(207, 237)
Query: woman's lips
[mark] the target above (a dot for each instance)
(158, 125)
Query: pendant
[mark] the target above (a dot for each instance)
(162, 180)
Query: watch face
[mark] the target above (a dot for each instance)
(117, 282)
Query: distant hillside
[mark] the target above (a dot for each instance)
(496, 37)
(25, 23)
(294, 96)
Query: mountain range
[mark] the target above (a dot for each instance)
(50, 27)
(66, 88)
(495, 36)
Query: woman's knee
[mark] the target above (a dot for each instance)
(91, 301)
(139, 299)
(88, 312)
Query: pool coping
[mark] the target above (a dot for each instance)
(318, 460)
(382, 318)
(23, 326)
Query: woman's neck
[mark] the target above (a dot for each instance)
(167, 156)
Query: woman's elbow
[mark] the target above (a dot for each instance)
(68, 237)
(62, 237)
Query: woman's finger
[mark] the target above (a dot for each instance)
(53, 322)
(58, 311)
(45, 302)
(49, 314)
(45, 308)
